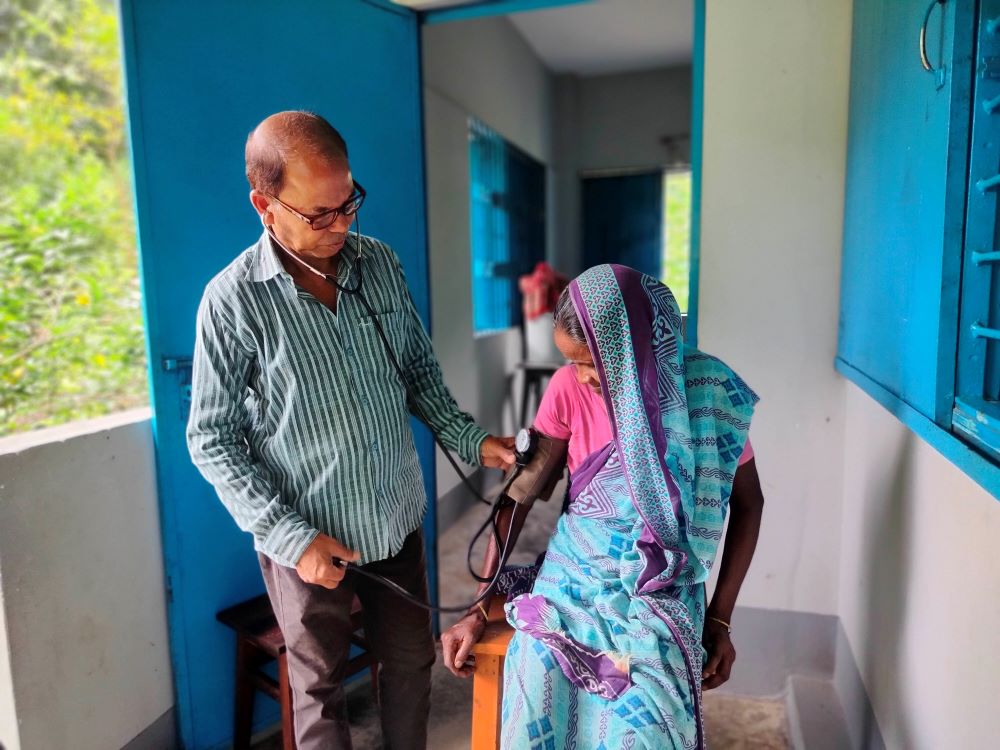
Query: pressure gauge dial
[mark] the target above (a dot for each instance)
(524, 446)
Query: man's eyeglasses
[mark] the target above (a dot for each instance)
(325, 219)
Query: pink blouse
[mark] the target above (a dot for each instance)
(570, 410)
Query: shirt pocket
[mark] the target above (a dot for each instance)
(393, 325)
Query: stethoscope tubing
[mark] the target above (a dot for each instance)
(504, 546)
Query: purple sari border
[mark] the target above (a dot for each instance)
(636, 299)
(694, 678)
(580, 479)
(588, 328)
(587, 669)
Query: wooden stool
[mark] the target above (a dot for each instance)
(487, 684)
(258, 642)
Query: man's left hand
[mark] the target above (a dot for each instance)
(497, 452)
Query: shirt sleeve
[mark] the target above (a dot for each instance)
(218, 445)
(747, 453)
(553, 417)
(429, 398)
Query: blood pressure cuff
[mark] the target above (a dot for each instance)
(539, 477)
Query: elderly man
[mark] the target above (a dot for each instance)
(300, 421)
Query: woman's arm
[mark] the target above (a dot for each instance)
(746, 505)
(458, 640)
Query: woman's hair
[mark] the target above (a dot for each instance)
(566, 320)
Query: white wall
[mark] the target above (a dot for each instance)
(613, 122)
(485, 67)
(775, 131)
(920, 585)
(10, 738)
(480, 68)
(83, 588)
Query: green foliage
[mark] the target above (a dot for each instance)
(72, 343)
(677, 234)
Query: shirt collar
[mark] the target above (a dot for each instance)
(266, 264)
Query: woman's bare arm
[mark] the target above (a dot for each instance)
(458, 640)
(746, 506)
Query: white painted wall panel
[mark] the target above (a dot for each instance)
(83, 588)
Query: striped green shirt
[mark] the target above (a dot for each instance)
(299, 420)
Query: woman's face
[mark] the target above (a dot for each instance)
(579, 355)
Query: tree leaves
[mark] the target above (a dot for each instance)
(71, 344)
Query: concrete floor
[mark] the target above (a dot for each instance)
(732, 723)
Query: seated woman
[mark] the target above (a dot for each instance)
(614, 642)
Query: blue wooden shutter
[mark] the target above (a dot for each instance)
(904, 209)
(507, 219)
(977, 406)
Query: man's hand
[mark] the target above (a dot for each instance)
(316, 564)
(457, 642)
(721, 655)
(497, 452)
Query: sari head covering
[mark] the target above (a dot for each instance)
(609, 642)
(680, 419)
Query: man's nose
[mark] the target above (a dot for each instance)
(342, 224)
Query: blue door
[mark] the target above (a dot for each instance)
(623, 221)
(200, 75)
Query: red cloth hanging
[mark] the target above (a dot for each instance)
(540, 290)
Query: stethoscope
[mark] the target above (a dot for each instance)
(502, 501)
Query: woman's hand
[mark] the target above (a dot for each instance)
(457, 642)
(721, 655)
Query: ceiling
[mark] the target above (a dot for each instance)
(602, 36)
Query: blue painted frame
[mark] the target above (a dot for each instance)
(697, 140)
(485, 8)
(978, 468)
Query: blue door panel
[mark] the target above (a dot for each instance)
(199, 76)
(623, 221)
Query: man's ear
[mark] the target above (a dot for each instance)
(261, 204)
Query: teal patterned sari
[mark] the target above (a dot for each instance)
(607, 652)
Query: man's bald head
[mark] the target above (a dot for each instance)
(287, 135)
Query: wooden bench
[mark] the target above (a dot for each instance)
(487, 684)
(259, 642)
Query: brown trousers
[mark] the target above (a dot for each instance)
(316, 625)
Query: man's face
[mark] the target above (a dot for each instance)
(311, 187)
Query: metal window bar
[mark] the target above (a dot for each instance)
(976, 414)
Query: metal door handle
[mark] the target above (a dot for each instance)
(924, 60)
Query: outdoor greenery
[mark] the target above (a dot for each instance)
(71, 339)
(677, 234)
